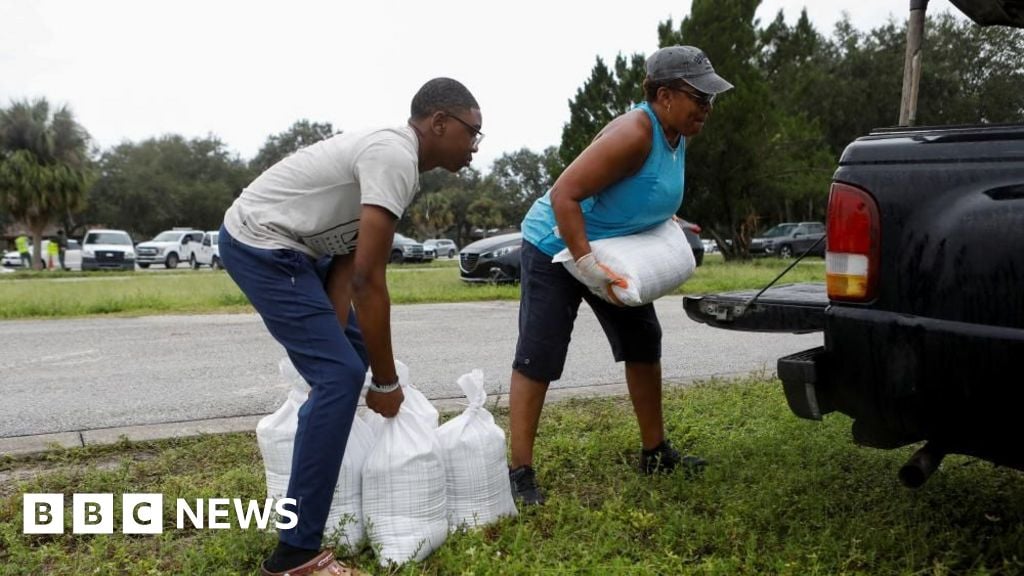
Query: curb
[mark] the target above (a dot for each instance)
(41, 443)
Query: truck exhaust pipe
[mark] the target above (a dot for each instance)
(921, 465)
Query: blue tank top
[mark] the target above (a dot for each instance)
(634, 204)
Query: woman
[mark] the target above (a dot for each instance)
(629, 179)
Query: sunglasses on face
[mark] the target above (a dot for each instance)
(475, 132)
(701, 99)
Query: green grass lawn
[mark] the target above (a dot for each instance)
(781, 496)
(55, 294)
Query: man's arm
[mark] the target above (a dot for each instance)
(339, 286)
(373, 304)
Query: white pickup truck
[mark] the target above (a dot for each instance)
(169, 247)
(207, 253)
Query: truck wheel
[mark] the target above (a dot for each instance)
(786, 251)
(396, 257)
(192, 262)
(172, 260)
(451, 253)
(215, 263)
(143, 265)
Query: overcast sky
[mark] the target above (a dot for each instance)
(242, 70)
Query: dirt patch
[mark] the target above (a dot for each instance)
(17, 471)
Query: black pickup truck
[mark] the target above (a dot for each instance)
(923, 306)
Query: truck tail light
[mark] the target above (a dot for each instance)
(851, 262)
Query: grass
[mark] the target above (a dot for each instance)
(782, 496)
(51, 294)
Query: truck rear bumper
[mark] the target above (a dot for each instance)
(907, 378)
(799, 374)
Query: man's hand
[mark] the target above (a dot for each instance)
(599, 278)
(385, 403)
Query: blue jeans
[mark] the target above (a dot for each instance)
(287, 289)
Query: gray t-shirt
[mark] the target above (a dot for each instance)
(311, 200)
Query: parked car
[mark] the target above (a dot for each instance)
(405, 249)
(494, 259)
(692, 232)
(108, 250)
(169, 247)
(442, 247)
(207, 253)
(790, 239)
(72, 256)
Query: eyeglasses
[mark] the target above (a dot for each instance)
(475, 132)
(701, 99)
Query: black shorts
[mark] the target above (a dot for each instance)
(549, 300)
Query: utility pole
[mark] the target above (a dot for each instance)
(912, 63)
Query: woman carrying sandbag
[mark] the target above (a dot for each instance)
(627, 181)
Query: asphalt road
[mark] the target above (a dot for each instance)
(74, 375)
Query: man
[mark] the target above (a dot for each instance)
(52, 253)
(337, 202)
(62, 247)
(21, 244)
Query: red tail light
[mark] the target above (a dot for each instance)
(851, 263)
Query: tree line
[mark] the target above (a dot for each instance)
(766, 155)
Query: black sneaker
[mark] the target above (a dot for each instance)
(665, 459)
(524, 486)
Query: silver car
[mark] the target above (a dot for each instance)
(442, 247)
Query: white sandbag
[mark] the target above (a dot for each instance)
(404, 494)
(654, 263)
(415, 401)
(275, 435)
(474, 459)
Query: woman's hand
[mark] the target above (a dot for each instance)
(599, 278)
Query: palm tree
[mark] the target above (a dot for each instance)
(44, 166)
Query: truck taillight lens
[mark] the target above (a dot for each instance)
(851, 262)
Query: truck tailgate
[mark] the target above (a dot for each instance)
(795, 308)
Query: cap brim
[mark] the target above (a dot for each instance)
(709, 83)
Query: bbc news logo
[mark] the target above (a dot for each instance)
(143, 513)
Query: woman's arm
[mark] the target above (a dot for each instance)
(618, 151)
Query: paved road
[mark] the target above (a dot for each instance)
(74, 375)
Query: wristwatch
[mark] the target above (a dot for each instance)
(384, 388)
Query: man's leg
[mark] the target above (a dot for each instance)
(284, 288)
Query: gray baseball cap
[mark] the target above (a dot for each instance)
(686, 63)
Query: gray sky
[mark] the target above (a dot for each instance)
(242, 70)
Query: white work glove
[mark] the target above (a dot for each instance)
(599, 278)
